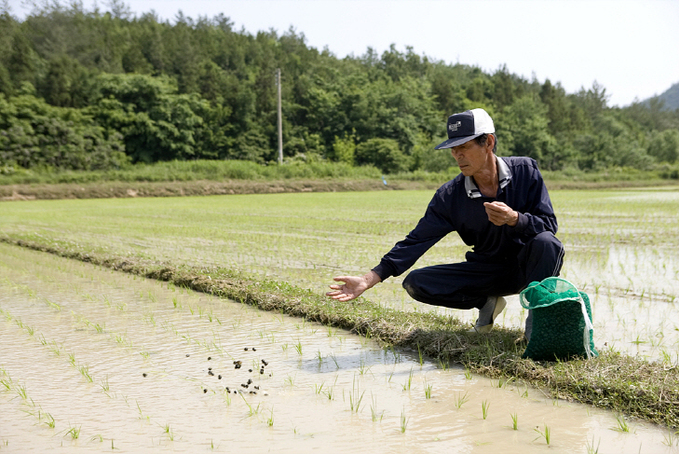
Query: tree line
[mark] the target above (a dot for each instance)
(93, 89)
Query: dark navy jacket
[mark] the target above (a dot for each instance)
(458, 206)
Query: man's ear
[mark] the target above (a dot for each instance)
(490, 142)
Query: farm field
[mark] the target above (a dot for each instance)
(92, 328)
(622, 247)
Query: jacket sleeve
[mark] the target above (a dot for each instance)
(433, 226)
(538, 215)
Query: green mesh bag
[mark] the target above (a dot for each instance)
(562, 321)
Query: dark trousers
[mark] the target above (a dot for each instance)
(467, 285)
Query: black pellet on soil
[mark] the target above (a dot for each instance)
(246, 349)
(249, 381)
(144, 374)
(210, 373)
(254, 349)
(219, 377)
(187, 355)
(265, 363)
(209, 358)
(205, 391)
(249, 370)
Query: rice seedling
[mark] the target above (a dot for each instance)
(404, 421)
(515, 421)
(269, 420)
(484, 408)
(74, 432)
(468, 374)
(141, 413)
(420, 356)
(104, 384)
(461, 399)
(168, 431)
(49, 420)
(21, 391)
(591, 449)
(670, 438)
(298, 347)
(251, 410)
(621, 424)
(85, 372)
(546, 434)
(376, 417)
(409, 381)
(427, 390)
(355, 397)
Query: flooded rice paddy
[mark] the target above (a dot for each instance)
(95, 360)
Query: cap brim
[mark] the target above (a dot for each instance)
(450, 143)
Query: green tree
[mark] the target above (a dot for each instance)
(157, 123)
(523, 131)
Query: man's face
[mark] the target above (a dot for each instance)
(472, 157)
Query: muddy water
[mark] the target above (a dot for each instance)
(93, 360)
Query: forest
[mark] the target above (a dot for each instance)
(95, 90)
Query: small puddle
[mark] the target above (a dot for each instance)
(94, 360)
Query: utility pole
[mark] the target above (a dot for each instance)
(280, 118)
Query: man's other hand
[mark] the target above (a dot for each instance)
(500, 214)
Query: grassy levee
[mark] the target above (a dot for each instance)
(613, 381)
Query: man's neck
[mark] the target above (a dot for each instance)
(487, 178)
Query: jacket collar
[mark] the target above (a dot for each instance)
(504, 177)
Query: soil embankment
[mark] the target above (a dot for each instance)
(117, 189)
(124, 189)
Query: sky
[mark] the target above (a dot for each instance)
(631, 48)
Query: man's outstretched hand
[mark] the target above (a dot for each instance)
(353, 286)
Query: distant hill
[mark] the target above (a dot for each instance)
(670, 98)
